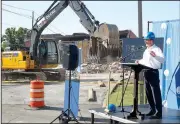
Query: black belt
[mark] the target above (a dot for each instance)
(153, 70)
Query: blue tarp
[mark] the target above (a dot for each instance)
(170, 31)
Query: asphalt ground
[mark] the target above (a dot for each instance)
(15, 100)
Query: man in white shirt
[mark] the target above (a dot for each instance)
(153, 58)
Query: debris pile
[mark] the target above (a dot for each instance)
(92, 68)
(115, 67)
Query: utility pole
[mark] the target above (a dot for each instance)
(140, 33)
(32, 18)
(140, 19)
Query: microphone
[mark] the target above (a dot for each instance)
(141, 47)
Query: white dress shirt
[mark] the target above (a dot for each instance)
(150, 61)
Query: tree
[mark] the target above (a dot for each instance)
(3, 38)
(20, 34)
(11, 35)
(15, 37)
(4, 44)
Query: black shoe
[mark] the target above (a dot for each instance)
(156, 116)
(150, 113)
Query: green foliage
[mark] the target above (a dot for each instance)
(11, 35)
(3, 38)
(15, 37)
(4, 44)
(20, 33)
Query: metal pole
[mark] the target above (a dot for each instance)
(140, 19)
(148, 26)
(69, 95)
(140, 32)
(32, 18)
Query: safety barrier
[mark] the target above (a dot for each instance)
(36, 93)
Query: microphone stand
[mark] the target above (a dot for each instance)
(123, 60)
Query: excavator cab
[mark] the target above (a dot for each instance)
(48, 53)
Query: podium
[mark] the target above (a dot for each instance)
(137, 69)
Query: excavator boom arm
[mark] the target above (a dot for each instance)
(86, 19)
(43, 21)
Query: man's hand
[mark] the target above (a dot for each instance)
(153, 54)
(137, 61)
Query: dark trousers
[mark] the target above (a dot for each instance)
(153, 93)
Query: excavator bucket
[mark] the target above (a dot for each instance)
(108, 47)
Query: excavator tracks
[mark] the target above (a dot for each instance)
(21, 75)
(15, 76)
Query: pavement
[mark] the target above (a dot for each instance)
(15, 99)
(102, 77)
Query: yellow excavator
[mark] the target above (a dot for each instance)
(43, 58)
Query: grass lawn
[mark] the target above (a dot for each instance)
(115, 97)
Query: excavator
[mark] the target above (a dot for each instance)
(44, 55)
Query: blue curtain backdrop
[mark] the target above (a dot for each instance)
(170, 31)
